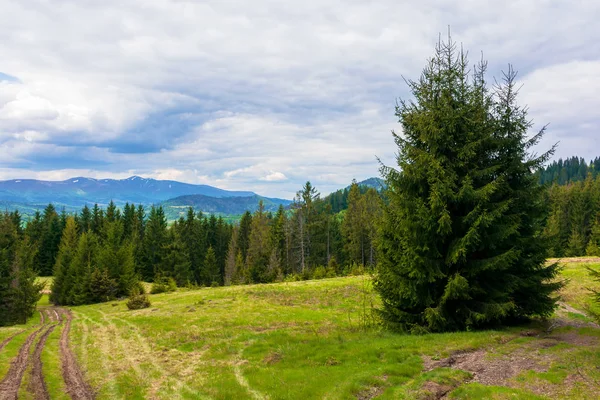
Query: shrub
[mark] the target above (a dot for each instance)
(332, 268)
(138, 300)
(319, 272)
(292, 278)
(355, 269)
(163, 284)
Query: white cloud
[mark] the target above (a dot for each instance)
(235, 93)
(274, 177)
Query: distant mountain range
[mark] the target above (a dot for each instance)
(76, 192)
(29, 195)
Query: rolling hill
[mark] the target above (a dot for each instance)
(174, 208)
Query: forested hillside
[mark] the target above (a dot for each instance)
(338, 200)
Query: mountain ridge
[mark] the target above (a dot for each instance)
(78, 191)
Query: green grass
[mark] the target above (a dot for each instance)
(312, 339)
(478, 391)
(290, 340)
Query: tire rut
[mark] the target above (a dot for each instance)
(9, 387)
(77, 387)
(37, 384)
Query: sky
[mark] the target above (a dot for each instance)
(268, 94)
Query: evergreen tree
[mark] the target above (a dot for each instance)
(222, 238)
(304, 218)
(116, 260)
(85, 220)
(355, 227)
(113, 214)
(97, 219)
(244, 234)
(210, 272)
(101, 286)
(460, 244)
(155, 236)
(259, 249)
(8, 245)
(241, 273)
(194, 240)
(129, 220)
(66, 252)
(81, 269)
(49, 241)
(33, 230)
(176, 262)
(230, 262)
(24, 291)
(278, 236)
(15, 216)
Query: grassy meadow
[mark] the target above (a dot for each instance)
(317, 339)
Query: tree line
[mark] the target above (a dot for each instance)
(572, 169)
(100, 254)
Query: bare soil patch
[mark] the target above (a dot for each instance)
(433, 391)
(487, 370)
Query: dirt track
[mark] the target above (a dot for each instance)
(72, 375)
(37, 385)
(76, 386)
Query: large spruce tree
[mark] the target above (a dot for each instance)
(460, 245)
